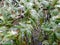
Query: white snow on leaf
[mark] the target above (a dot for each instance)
(9, 9)
(14, 32)
(1, 31)
(57, 6)
(58, 23)
(1, 17)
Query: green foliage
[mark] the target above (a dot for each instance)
(19, 19)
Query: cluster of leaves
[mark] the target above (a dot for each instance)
(19, 19)
(51, 31)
